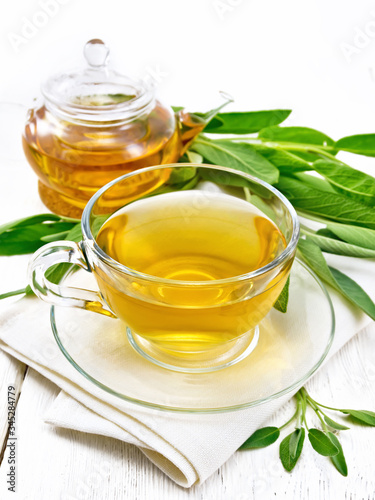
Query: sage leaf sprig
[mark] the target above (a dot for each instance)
(308, 172)
(281, 303)
(363, 144)
(240, 156)
(313, 256)
(347, 180)
(261, 438)
(246, 122)
(301, 162)
(26, 235)
(291, 448)
(324, 441)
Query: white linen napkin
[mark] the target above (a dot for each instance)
(187, 447)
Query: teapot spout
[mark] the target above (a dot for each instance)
(191, 124)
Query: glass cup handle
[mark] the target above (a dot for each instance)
(60, 252)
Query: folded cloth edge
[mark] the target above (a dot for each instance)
(175, 465)
(175, 457)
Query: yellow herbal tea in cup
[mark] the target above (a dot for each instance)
(190, 272)
(166, 237)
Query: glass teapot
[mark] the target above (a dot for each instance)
(96, 125)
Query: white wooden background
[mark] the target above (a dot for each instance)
(267, 54)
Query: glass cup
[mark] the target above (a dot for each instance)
(219, 245)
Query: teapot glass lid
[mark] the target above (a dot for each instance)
(97, 92)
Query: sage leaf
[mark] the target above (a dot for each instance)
(54, 237)
(29, 221)
(181, 186)
(75, 234)
(27, 239)
(362, 144)
(299, 135)
(310, 141)
(190, 184)
(295, 438)
(312, 255)
(346, 179)
(284, 161)
(281, 303)
(364, 416)
(338, 460)
(353, 292)
(335, 425)
(333, 206)
(339, 247)
(194, 157)
(57, 272)
(315, 182)
(256, 193)
(261, 438)
(322, 443)
(224, 178)
(239, 156)
(360, 236)
(288, 459)
(327, 233)
(246, 122)
(182, 174)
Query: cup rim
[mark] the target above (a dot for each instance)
(284, 256)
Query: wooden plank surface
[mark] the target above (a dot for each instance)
(12, 373)
(58, 464)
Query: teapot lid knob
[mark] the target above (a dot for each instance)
(96, 53)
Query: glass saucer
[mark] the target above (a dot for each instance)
(290, 349)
